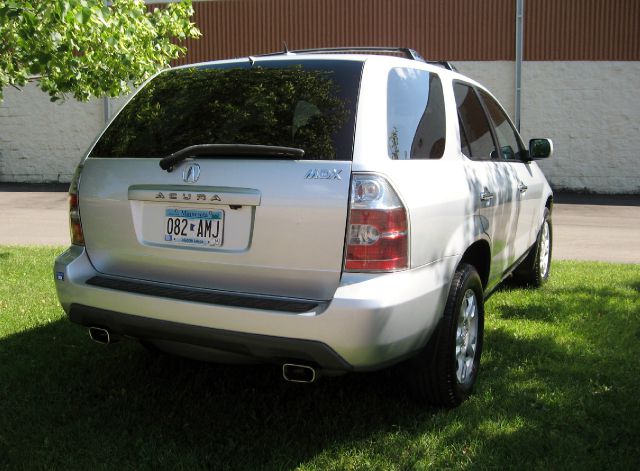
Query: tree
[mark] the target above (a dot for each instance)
(88, 47)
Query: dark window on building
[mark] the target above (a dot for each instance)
(309, 105)
(510, 144)
(416, 120)
(475, 133)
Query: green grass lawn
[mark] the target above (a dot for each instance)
(558, 389)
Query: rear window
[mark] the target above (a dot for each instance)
(308, 105)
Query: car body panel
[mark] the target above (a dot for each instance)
(290, 243)
(366, 323)
(287, 238)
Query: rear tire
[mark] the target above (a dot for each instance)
(445, 371)
(534, 270)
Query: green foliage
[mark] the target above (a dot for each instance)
(558, 389)
(86, 47)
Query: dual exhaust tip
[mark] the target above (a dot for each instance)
(299, 373)
(103, 336)
(292, 372)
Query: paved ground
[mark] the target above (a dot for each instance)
(596, 232)
(586, 227)
(34, 218)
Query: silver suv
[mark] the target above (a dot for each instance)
(328, 210)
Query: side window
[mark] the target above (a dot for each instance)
(416, 123)
(464, 142)
(510, 145)
(475, 133)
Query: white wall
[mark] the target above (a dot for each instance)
(591, 110)
(41, 141)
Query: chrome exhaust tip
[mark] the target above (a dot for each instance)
(101, 335)
(299, 373)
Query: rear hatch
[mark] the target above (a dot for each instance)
(242, 209)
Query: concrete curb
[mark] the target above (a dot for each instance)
(10, 187)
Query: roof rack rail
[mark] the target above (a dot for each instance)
(444, 64)
(408, 53)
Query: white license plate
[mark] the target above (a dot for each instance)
(198, 227)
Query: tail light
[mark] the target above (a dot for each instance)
(75, 224)
(378, 232)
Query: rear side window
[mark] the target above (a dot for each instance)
(416, 123)
(475, 134)
(308, 105)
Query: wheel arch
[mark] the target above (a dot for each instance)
(479, 255)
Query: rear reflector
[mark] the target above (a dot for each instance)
(377, 238)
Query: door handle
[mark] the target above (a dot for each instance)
(486, 196)
(522, 187)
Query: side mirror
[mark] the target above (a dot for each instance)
(540, 149)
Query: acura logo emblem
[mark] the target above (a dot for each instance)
(191, 173)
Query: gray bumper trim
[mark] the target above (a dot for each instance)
(203, 296)
(266, 347)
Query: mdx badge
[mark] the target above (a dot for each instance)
(323, 174)
(191, 173)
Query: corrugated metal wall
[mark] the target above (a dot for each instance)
(439, 29)
(582, 30)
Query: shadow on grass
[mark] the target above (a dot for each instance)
(71, 402)
(547, 407)
(542, 402)
(556, 302)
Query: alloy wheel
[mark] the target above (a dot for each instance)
(466, 336)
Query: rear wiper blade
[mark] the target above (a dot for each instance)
(232, 150)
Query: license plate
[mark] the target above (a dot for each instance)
(198, 227)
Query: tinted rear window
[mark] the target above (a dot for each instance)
(416, 120)
(309, 105)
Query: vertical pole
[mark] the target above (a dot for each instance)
(107, 109)
(519, 48)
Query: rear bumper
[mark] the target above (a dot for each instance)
(240, 343)
(371, 322)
